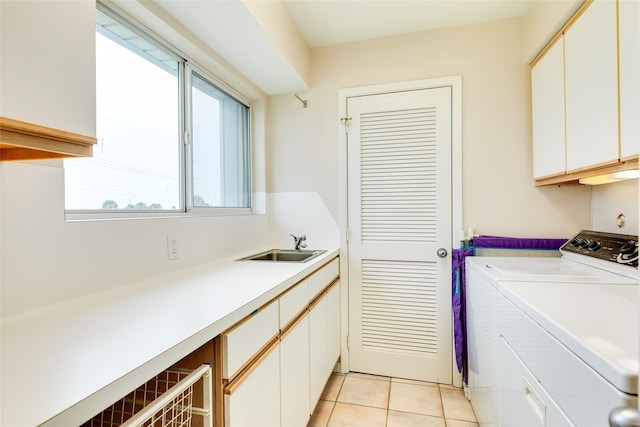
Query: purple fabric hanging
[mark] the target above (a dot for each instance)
(458, 289)
(458, 284)
(517, 242)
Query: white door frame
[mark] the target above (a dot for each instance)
(455, 82)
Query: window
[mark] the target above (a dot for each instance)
(220, 162)
(169, 139)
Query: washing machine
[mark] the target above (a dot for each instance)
(523, 313)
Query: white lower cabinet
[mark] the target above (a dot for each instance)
(318, 356)
(524, 402)
(294, 375)
(279, 384)
(254, 399)
(324, 342)
(333, 325)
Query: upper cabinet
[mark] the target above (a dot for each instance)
(629, 39)
(585, 96)
(47, 102)
(591, 85)
(547, 104)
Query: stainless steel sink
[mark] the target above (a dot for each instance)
(284, 255)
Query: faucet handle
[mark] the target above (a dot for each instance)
(298, 241)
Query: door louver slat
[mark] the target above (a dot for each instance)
(399, 312)
(398, 176)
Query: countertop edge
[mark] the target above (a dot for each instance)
(94, 402)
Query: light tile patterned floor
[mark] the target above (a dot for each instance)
(372, 401)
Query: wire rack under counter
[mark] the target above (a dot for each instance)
(164, 401)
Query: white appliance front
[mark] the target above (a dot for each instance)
(483, 278)
(599, 341)
(579, 341)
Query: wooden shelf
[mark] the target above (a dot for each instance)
(28, 141)
(571, 178)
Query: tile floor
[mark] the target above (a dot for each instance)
(373, 401)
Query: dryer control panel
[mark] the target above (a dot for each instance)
(617, 248)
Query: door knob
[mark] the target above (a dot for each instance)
(624, 417)
(442, 252)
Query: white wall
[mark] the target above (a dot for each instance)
(46, 260)
(498, 192)
(301, 213)
(611, 200)
(543, 21)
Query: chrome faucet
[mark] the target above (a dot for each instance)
(299, 241)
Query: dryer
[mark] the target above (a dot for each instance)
(600, 264)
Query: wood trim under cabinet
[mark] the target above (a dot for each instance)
(27, 141)
(572, 178)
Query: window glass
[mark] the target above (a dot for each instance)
(148, 99)
(136, 163)
(221, 161)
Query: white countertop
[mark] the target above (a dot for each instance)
(67, 355)
(597, 322)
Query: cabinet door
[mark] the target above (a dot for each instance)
(294, 375)
(48, 64)
(592, 87)
(547, 104)
(629, 34)
(333, 325)
(319, 370)
(255, 400)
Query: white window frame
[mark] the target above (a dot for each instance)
(187, 67)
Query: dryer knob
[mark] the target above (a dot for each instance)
(629, 248)
(594, 245)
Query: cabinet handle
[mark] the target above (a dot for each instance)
(534, 400)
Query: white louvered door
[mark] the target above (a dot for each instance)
(399, 214)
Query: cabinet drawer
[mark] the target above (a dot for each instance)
(246, 339)
(323, 277)
(293, 302)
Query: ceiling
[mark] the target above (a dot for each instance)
(269, 41)
(330, 22)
